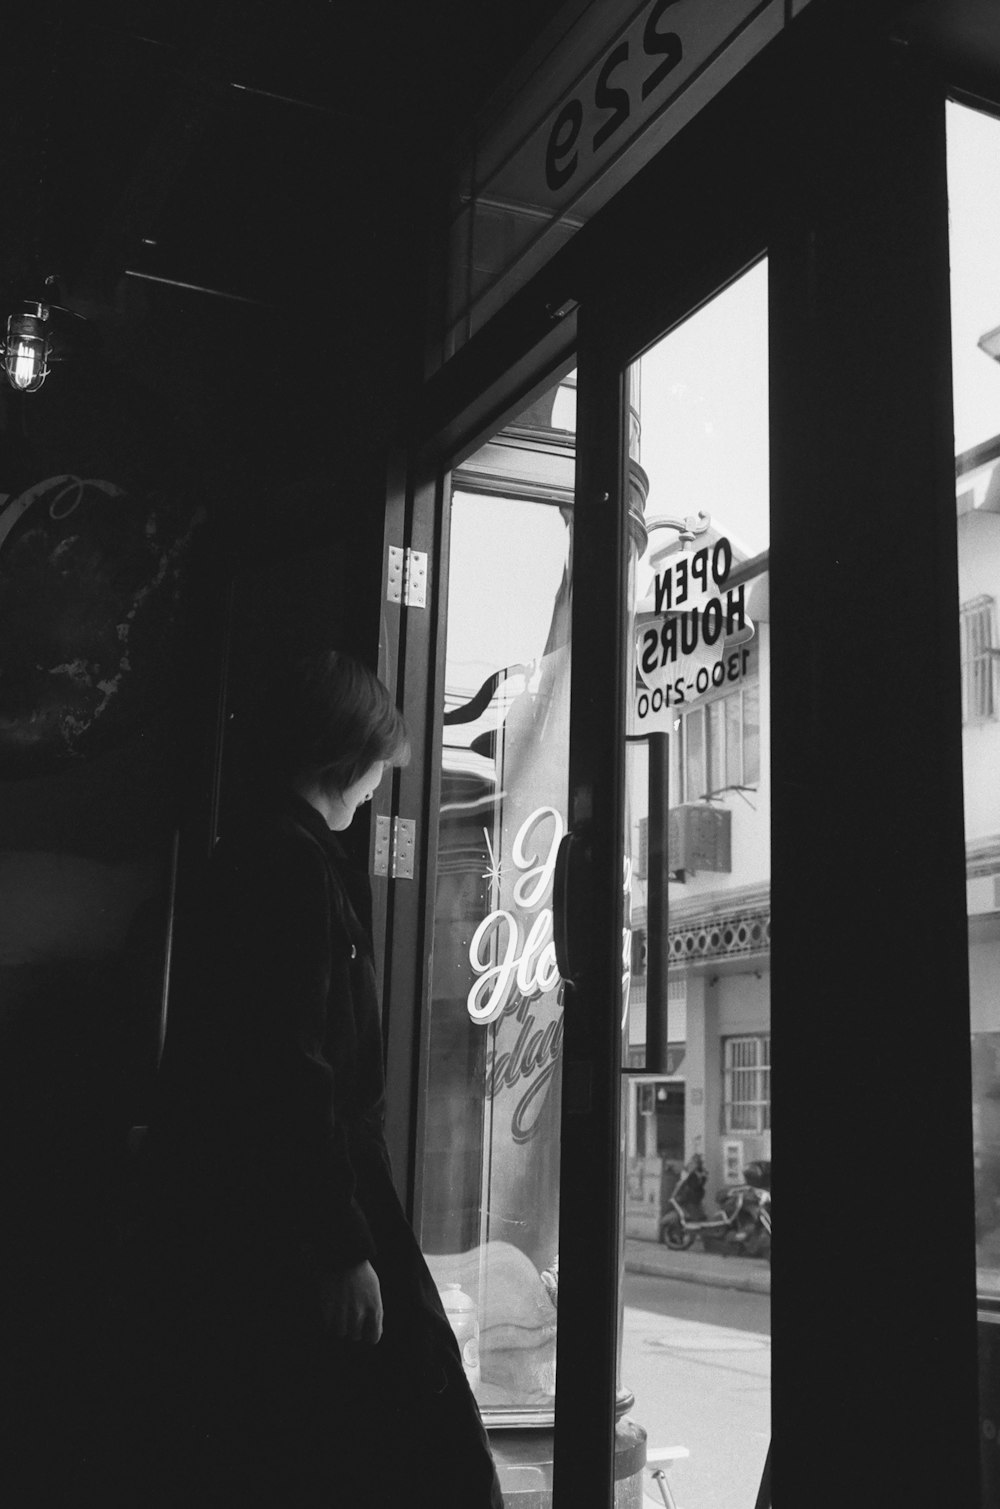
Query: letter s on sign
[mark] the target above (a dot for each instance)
(665, 44)
(613, 98)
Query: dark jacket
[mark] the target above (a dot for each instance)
(266, 1167)
(271, 1092)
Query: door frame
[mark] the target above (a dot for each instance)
(853, 220)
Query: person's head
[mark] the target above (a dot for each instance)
(332, 727)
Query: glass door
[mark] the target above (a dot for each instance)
(696, 1102)
(600, 855)
(974, 215)
(546, 1048)
(487, 1175)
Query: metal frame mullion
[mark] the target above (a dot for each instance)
(867, 778)
(416, 796)
(589, 1237)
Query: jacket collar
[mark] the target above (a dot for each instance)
(353, 880)
(307, 817)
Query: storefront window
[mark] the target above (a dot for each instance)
(696, 1340)
(974, 211)
(488, 1155)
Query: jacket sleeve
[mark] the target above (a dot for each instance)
(277, 951)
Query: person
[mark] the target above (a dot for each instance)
(298, 1348)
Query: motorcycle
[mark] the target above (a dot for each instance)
(763, 1189)
(685, 1212)
(762, 1239)
(743, 1224)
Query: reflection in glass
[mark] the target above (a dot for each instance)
(488, 1160)
(974, 210)
(697, 1121)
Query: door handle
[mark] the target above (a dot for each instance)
(572, 905)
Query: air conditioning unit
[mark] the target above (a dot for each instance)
(699, 837)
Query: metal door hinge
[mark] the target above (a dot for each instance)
(383, 845)
(395, 843)
(406, 577)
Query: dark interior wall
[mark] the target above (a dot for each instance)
(283, 162)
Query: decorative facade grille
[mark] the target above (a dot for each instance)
(724, 937)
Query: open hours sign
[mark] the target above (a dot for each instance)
(691, 637)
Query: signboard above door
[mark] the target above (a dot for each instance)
(605, 88)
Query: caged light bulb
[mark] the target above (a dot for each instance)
(27, 349)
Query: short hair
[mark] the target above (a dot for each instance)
(327, 717)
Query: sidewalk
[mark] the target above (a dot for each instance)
(698, 1267)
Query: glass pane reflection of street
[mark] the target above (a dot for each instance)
(694, 1363)
(695, 1341)
(974, 211)
(488, 1192)
(974, 216)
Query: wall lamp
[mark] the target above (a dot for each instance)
(38, 333)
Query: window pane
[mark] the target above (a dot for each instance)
(734, 741)
(488, 1154)
(751, 735)
(694, 741)
(677, 764)
(715, 713)
(703, 442)
(979, 660)
(974, 213)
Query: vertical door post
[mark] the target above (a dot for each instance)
(591, 1127)
(656, 904)
(874, 1320)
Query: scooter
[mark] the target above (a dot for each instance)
(685, 1212)
(765, 1222)
(758, 1176)
(743, 1225)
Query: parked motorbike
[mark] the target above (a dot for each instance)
(685, 1212)
(759, 1243)
(758, 1176)
(743, 1224)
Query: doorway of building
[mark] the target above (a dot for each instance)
(668, 1114)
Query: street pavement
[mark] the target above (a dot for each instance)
(698, 1373)
(698, 1267)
